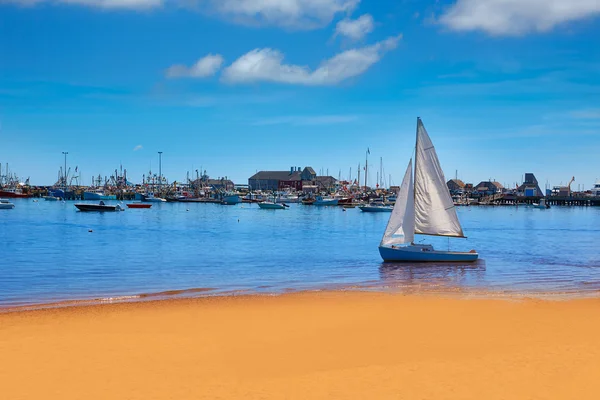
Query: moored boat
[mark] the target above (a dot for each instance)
(101, 207)
(14, 194)
(98, 194)
(231, 200)
(423, 206)
(325, 201)
(6, 205)
(269, 205)
(51, 198)
(138, 205)
(151, 199)
(376, 207)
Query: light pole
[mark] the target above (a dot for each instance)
(159, 172)
(65, 171)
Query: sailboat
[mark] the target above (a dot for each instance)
(423, 206)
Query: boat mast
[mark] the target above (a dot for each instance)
(416, 163)
(366, 166)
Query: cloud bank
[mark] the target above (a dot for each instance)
(516, 17)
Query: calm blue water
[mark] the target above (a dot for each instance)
(47, 253)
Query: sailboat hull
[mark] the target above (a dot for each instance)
(424, 254)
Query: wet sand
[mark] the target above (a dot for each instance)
(318, 345)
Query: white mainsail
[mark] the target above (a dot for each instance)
(434, 209)
(401, 225)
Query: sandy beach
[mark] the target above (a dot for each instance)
(320, 345)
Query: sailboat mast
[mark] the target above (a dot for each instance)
(366, 167)
(416, 159)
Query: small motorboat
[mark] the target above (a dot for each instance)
(138, 205)
(542, 205)
(308, 201)
(149, 198)
(326, 201)
(51, 198)
(101, 207)
(269, 205)
(376, 207)
(6, 205)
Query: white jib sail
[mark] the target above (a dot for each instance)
(434, 209)
(401, 225)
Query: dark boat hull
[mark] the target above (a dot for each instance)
(97, 207)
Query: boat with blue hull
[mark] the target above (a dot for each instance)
(98, 194)
(423, 206)
(325, 201)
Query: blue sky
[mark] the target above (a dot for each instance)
(504, 87)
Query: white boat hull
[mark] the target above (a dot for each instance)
(271, 206)
(424, 253)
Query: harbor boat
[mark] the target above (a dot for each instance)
(101, 207)
(14, 193)
(98, 194)
(138, 205)
(231, 200)
(423, 206)
(269, 205)
(149, 198)
(542, 205)
(6, 205)
(596, 189)
(308, 201)
(376, 207)
(51, 198)
(287, 198)
(325, 201)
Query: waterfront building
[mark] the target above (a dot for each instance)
(455, 186)
(530, 187)
(295, 178)
(488, 188)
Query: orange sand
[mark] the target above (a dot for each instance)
(305, 346)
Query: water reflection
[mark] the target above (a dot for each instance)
(420, 275)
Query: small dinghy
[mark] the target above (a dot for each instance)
(138, 205)
(101, 207)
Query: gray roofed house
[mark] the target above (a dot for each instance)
(530, 186)
(275, 180)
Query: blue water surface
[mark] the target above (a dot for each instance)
(47, 252)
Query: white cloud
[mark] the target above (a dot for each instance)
(206, 66)
(516, 17)
(355, 28)
(299, 14)
(302, 14)
(138, 147)
(106, 4)
(267, 65)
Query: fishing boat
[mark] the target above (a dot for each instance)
(101, 207)
(138, 205)
(542, 205)
(325, 201)
(423, 206)
(269, 205)
(376, 207)
(14, 193)
(230, 200)
(98, 194)
(6, 205)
